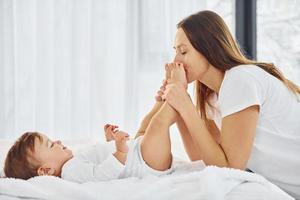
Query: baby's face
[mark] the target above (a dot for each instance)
(52, 153)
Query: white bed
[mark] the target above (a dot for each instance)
(190, 181)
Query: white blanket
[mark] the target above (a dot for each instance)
(190, 181)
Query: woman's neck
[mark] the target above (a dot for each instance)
(213, 78)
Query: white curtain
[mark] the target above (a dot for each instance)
(67, 67)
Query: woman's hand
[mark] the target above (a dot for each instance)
(177, 96)
(161, 90)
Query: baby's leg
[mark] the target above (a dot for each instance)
(156, 107)
(156, 144)
(144, 124)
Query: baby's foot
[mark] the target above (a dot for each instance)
(168, 72)
(162, 88)
(178, 73)
(167, 114)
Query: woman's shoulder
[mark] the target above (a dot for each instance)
(241, 69)
(247, 72)
(244, 78)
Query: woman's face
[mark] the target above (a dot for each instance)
(195, 64)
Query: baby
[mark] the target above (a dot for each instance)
(34, 154)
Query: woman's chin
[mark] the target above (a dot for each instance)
(190, 80)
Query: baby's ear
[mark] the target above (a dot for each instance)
(45, 170)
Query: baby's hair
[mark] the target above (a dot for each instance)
(18, 162)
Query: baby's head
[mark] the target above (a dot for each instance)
(33, 154)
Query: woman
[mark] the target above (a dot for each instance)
(259, 108)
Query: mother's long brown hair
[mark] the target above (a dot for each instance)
(210, 36)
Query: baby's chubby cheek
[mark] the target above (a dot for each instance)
(68, 152)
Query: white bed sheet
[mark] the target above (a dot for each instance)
(190, 181)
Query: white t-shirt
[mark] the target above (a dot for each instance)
(276, 149)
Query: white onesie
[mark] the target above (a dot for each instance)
(97, 163)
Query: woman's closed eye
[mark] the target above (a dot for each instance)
(183, 53)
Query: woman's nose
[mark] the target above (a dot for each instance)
(177, 58)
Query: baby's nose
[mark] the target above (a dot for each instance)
(57, 142)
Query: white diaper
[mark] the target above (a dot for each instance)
(135, 164)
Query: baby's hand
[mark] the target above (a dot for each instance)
(121, 138)
(109, 129)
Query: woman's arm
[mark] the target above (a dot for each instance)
(237, 135)
(214, 130)
(187, 140)
(237, 132)
(189, 146)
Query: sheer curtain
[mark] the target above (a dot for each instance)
(67, 67)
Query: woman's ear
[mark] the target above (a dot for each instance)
(45, 170)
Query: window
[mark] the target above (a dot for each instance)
(278, 30)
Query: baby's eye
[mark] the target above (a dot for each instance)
(183, 53)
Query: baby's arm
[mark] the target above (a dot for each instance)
(96, 163)
(121, 138)
(108, 129)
